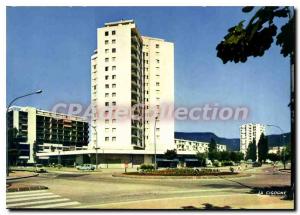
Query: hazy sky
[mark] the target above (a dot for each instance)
(50, 48)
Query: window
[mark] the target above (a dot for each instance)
(113, 50)
(113, 85)
(106, 130)
(95, 87)
(157, 45)
(114, 103)
(157, 61)
(147, 54)
(147, 76)
(113, 130)
(114, 121)
(106, 95)
(114, 77)
(114, 68)
(113, 94)
(106, 139)
(147, 61)
(113, 41)
(157, 129)
(113, 59)
(106, 68)
(106, 33)
(157, 84)
(114, 139)
(147, 92)
(106, 104)
(106, 42)
(95, 66)
(113, 32)
(106, 121)
(106, 51)
(106, 86)
(106, 77)
(106, 59)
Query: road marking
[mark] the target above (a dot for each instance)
(25, 192)
(37, 202)
(37, 199)
(56, 205)
(32, 198)
(26, 195)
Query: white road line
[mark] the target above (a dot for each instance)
(31, 198)
(25, 192)
(27, 195)
(56, 205)
(37, 202)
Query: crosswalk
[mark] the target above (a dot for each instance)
(38, 199)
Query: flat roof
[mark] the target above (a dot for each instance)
(130, 21)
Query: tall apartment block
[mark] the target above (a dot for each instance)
(248, 132)
(127, 70)
(50, 131)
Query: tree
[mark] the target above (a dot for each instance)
(212, 145)
(170, 154)
(13, 145)
(224, 156)
(202, 158)
(35, 149)
(257, 36)
(251, 151)
(274, 157)
(263, 148)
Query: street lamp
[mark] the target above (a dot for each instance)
(282, 141)
(155, 164)
(96, 147)
(7, 109)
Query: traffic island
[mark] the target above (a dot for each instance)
(17, 187)
(184, 173)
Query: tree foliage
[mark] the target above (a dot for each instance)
(13, 145)
(253, 39)
(170, 154)
(263, 148)
(251, 151)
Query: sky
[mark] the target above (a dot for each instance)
(49, 48)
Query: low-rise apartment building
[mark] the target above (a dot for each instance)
(195, 146)
(48, 130)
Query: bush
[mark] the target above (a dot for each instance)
(227, 163)
(216, 163)
(146, 167)
(183, 172)
(59, 166)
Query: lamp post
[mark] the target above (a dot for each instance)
(282, 141)
(155, 164)
(7, 109)
(96, 147)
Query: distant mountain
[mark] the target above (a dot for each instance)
(233, 144)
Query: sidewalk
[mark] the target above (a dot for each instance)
(20, 174)
(223, 201)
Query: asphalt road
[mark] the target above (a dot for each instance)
(102, 190)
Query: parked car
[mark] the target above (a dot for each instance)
(86, 167)
(39, 168)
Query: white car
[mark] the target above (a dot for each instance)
(86, 167)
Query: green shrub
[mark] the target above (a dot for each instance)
(216, 163)
(227, 163)
(146, 167)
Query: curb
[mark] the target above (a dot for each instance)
(38, 187)
(16, 178)
(179, 177)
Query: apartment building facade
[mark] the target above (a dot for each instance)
(48, 130)
(248, 133)
(195, 146)
(131, 74)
